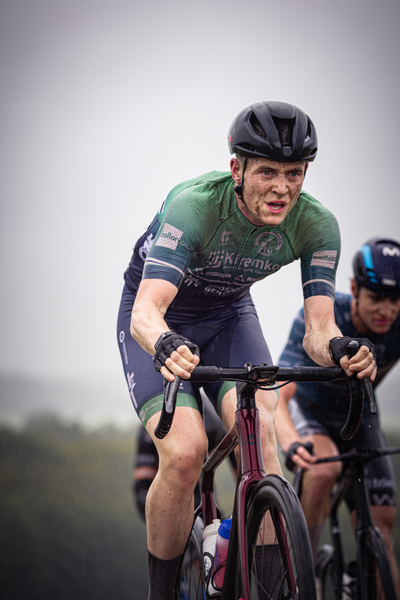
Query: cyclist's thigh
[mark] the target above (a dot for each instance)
(232, 341)
(144, 383)
(307, 419)
(310, 425)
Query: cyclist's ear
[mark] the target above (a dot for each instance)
(355, 290)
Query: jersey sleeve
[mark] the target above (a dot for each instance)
(180, 234)
(320, 260)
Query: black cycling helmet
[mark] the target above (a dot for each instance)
(376, 266)
(273, 130)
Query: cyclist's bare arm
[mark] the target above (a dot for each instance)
(147, 324)
(285, 430)
(320, 328)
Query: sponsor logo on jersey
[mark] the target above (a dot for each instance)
(225, 237)
(386, 251)
(169, 237)
(124, 350)
(227, 259)
(268, 243)
(324, 258)
(144, 250)
(131, 385)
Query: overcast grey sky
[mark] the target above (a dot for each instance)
(106, 105)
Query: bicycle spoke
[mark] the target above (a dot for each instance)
(190, 580)
(279, 568)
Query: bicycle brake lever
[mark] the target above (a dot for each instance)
(366, 384)
(168, 409)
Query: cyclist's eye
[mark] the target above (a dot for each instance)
(268, 173)
(294, 174)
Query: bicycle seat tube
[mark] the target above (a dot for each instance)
(361, 493)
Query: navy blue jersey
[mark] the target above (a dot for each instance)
(335, 394)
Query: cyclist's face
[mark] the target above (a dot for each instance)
(270, 190)
(377, 313)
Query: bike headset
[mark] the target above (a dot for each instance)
(274, 130)
(376, 266)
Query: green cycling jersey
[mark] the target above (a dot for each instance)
(202, 243)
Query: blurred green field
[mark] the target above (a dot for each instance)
(68, 527)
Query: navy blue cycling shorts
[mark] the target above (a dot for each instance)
(310, 419)
(227, 337)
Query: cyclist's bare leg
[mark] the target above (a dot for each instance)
(266, 403)
(169, 503)
(384, 518)
(317, 486)
(319, 480)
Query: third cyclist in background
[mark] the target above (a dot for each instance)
(316, 412)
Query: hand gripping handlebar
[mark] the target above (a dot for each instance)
(268, 375)
(359, 389)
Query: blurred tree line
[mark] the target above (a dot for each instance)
(68, 524)
(68, 528)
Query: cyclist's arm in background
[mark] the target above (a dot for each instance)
(320, 328)
(285, 430)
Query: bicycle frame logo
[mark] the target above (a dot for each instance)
(252, 440)
(269, 243)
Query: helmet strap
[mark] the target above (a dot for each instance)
(239, 187)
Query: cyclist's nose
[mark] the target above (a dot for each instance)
(386, 308)
(280, 185)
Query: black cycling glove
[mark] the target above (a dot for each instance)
(166, 344)
(292, 450)
(338, 347)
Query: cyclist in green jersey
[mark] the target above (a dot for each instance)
(189, 281)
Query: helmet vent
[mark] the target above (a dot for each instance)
(256, 125)
(308, 135)
(285, 130)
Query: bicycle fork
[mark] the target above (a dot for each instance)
(251, 471)
(374, 544)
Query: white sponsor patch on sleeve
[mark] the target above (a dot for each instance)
(324, 258)
(169, 237)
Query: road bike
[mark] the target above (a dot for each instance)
(371, 555)
(269, 554)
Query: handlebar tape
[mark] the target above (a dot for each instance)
(358, 391)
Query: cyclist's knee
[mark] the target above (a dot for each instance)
(320, 480)
(266, 404)
(384, 518)
(182, 459)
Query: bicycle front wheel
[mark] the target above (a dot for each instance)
(325, 571)
(280, 564)
(190, 582)
(375, 561)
